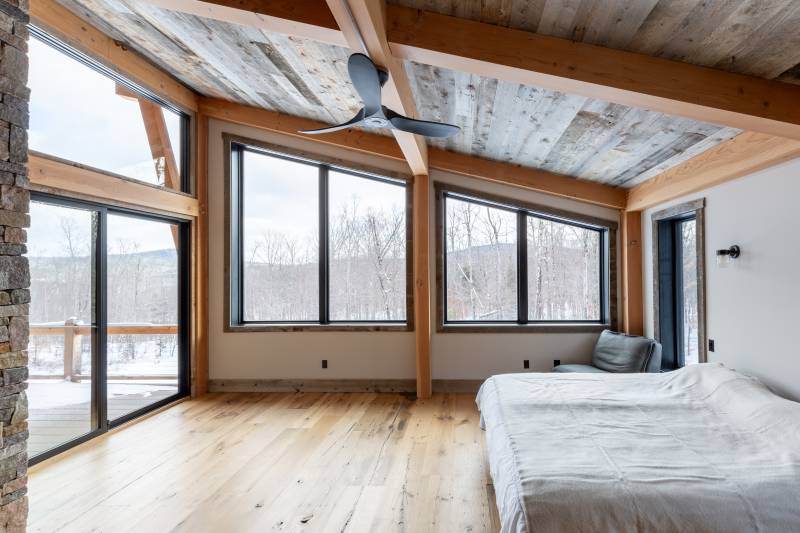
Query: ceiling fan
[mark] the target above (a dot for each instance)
(368, 80)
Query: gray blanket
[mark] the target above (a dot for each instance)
(699, 449)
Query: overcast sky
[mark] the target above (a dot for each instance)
(282, 196)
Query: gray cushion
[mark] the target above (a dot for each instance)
(617, 352)
(578, 368)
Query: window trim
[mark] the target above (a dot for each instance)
(187, 117)
(233, 243)
(608, 264)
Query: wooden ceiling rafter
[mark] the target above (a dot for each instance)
(745, 154)
(364, 30)
(632, 79)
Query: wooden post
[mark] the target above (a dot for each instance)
(200, 258)
(632, 301)
(422, 316)
(72, 349)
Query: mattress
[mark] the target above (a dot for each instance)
(703, 448)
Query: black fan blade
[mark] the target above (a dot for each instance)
(423, 127)
(364, 75)
(352, 122)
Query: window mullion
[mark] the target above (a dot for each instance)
(522, 267)
(324, 277)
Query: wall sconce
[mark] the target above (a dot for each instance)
(725, 256)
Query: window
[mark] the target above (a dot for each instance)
(506, 263)
(481, 262)
(314, 244)
(110, 123)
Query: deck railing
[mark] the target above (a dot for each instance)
(73, 332)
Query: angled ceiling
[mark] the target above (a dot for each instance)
(564, 134)
(753, 37)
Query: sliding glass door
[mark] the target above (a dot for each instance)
(62, 392)
(108, 314)
(142, 297)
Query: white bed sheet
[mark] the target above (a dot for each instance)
(700, 449)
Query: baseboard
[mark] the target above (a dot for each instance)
(457, 386)
(340, 385)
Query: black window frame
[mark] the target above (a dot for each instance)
(524, 210)
(185, 163)
(235, 148)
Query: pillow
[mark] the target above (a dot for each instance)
(617, 352)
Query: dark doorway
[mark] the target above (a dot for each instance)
(677, 276)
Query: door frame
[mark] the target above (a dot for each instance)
(99, 402)
(693, 209)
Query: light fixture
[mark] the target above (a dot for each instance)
(725, 256)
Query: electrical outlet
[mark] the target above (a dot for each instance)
(710, 345)
(556, 362)
(526, 363)
(324, 363)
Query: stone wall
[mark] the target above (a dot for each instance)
(14, 273)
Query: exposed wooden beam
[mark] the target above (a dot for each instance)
(62, 23)
(255, 117)
(49, 173)
(362, 23)
(744, 154)
(380, 145)
(528, 178)
(160, 145)
(632, 301)
(637, 80)
(200, 260)
(672, 87)
(422, 295)
(309, 19)
(155, 128)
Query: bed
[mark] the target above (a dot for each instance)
(703, 448)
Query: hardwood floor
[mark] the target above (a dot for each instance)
(277, 462)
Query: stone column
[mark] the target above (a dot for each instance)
(14, 272)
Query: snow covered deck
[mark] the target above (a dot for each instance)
(60, 410)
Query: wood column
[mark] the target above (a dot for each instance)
(422, 293)
(200, 259)
(632, 300)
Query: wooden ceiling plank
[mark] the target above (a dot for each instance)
(58, 20)
(362, 23)
(745, 154)
(461, 164)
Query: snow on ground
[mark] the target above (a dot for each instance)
(50, 393)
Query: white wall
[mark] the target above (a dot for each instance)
(753, 306)
(364, 355)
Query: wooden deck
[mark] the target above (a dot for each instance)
(287, 462)
(60, 411)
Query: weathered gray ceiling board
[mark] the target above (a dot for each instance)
(755, 37)
(529, 126)
(563, 134)
(238, 63)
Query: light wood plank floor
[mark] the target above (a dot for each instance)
(277, 462)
